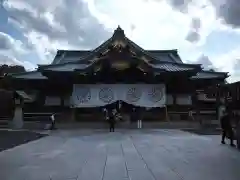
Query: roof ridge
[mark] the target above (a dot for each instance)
(22, 73)
(67, 50)
(141, 49)
(161, 50)
(180, 64)
(215, 72)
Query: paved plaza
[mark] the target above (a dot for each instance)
(122, 155)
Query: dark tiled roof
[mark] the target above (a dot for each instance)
(166, 55)
(167, 60)
(23, 95)
(28, 75)
(139, 50)
(209, 75)
(173, 67)
(65, 56)
(237, 83)
(66, 67)
(162, 66)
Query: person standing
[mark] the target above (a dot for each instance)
(227, 128)
(136, 118)
(111, 121)
(238, 130)
(105, 112)
(133, 115)
(190, 115)
(52, 122)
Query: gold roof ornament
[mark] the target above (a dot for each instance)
(118, 33)
(97, 68)
(120, 65)
(119, 43)
(143, 67)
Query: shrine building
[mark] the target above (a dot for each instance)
(78, 84)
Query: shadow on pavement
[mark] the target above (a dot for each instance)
(204, 131)
(10, 139)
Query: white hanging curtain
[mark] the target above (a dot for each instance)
(95, 95)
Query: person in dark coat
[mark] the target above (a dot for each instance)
(238, 130)
(134, 115)
(227, 128)
(111, 121)
(238, 135)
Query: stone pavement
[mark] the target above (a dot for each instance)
(122, 155)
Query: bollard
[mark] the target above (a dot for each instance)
(139, 124)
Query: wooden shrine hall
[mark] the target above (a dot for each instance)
(119, 73)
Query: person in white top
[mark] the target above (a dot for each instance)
(105, 111)
(190, 115)
(53, 121)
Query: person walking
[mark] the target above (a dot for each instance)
(227, 128)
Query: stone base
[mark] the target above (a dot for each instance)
(17, 122)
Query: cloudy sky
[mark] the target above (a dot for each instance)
(206, 31)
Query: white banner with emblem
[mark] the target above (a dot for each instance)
(95, 95)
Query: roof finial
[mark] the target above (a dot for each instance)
(119, 31)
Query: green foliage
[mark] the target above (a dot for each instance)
(11, 69)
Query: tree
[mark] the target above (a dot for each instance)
(6, 97)
(11, 69)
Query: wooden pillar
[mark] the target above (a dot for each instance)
(220, 105)
(176, 116)
(174, 95)
(73, 114)
(72, 107)
(17, 122)
(166, 114)
(197, 108)
(62, 100)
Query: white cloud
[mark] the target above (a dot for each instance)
(228, 62)
(156, 24)
(12, 50)
(10, 60)
(7, 43)
(49, 26)
(153, 24)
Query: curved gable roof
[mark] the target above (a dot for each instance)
(65, 56)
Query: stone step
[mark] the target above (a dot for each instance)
(121, 125)
(148, 125)
(4, 124)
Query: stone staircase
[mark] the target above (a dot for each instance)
(119, 125)
(4, 122)
(127, 125)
